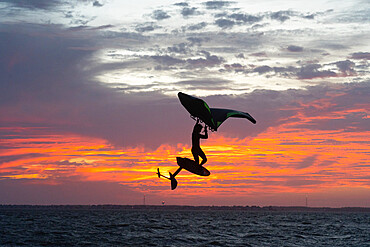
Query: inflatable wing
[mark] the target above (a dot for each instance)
(220, 115)
(212, 117)
(198, 109)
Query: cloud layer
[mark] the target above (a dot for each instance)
(86, 102)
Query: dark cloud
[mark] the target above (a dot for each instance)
(237, 67)
(228, 21)
(287, 72)
(346, 67)
(130, 38)
(282, 15)
(294, 48)
(240, 55)
(306, 71)
(97, 4)
(259, 54)
(10, 158)
(186, 47)
(182, 4)
(310, 16)
(146, 27)
(167, 60)
(263, 69)
(208, 61)
(189, 11)
(306, 162)
(258, 26)
(35, 4)
(181, 48)
(312, 71)
(157, 68)
(197, 40)
(225, 23)
(198, 26)
(91, 28)
(285, 15)
(217, 4)
(250, 19)
(361, 55)
(160, 15)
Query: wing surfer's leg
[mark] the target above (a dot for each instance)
(177, 172)
(195, 155)
(203, 156)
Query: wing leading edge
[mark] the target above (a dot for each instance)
(213, 117)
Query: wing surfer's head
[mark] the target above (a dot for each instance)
(198, 128)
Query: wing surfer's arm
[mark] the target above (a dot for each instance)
(205, 136)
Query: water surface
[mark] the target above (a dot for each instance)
(97, 227)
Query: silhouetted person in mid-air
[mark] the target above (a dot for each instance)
(195, 139)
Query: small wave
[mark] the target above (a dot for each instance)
(161, 228)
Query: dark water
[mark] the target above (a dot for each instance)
(55, 227)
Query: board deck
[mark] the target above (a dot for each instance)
(192, 167)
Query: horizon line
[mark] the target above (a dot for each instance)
(179, 206)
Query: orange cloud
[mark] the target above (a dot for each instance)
(283, 159)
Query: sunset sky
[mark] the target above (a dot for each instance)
(89, 107)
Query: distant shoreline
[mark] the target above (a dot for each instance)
(185, 208)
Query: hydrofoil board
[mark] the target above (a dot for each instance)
(192, 167)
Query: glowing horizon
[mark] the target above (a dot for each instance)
(273, 162)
